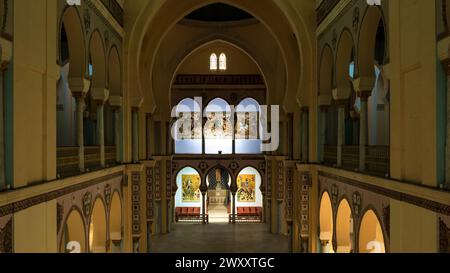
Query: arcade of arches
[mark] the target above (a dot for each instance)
(294, 126)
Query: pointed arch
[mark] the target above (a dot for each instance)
(344, 57)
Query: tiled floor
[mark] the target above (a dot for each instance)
(220, 238)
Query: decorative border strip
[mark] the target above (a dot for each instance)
(42, 198)
(403, 197)
(325, 9)
(219, 79)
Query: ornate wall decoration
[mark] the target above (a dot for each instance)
(324, 9)
(108, 193)
(157, 181)
(169, 180)
(87, 21)
(357, 201)
(334, 194)
(203, 166)
(305, 184)
(269, 180)
(59, 216)
(136, 202)
(87, 204)
(444, 237)
(289, 199)
(234, 166)
(356, 19)
(6, 238)
(106, 39)
(150, 193)
(280, 181)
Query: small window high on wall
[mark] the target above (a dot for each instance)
(213, 62)
(218, 63)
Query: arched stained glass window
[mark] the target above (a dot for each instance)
(223, 62)
(213, 62)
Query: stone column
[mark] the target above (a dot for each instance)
(116, 104)
(100, 96)
(135, 133)
(101, 131)
(2, 130)
(363, 129)
(305, 155)
(323, 132)
(80, 105)
(341, 132)
(233, 211)
(363, 87)
(341, 95)
(204, 207)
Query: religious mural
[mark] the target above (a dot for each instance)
(219, 125)
(247, 126)
(189, 126)
(246, 188)
(191, 188)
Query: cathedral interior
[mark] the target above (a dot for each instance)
(231, 126)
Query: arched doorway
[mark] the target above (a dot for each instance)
(74, 234)
(219, 200)
(371, 237)
(326, 223)
(188, 198)
(344, 228)
(249, 199)
(115, 224)
(97, 228)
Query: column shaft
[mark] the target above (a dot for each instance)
(101, 131)
(234, 207)
(80, 131)
(341, 133)
(117, 133)
(305, 135)
(363, 132)
(322, 133)
(135, 117)
(204, 207)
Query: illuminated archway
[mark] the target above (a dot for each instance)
(371, 237)
(115, 223)
(344, 228)
(326, 223)
(219, 200)
(97, 228)
(74, 233)
(188, 198)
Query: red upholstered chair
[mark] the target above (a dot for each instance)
(190, 211)
(259, 212)
(184, 211)
(240, 211)
(197, 211)
(178, 211)
(246, 211)
(253, 211)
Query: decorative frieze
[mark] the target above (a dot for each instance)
(325, 9)
(168, 180)
(6, 238)
(444, 237)
(219, 80)
(289, 199)
(280, 180)
(305, 184)
(157, 181)
(269, 180)
(136, 202)
(150, 193)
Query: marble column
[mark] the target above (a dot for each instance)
(305, 155)
(135, 134)
(101, 131)
(323, 131)
(341, 132)
(363, 129)
(80, 105)
(116, 111)
(204, 207)
(233, 211)
(2, 131)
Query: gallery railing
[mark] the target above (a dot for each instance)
(350, 157)
(330, 155)
(378, 160)
(67, 161)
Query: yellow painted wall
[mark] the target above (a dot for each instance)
(35, 229)
(413, 229)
